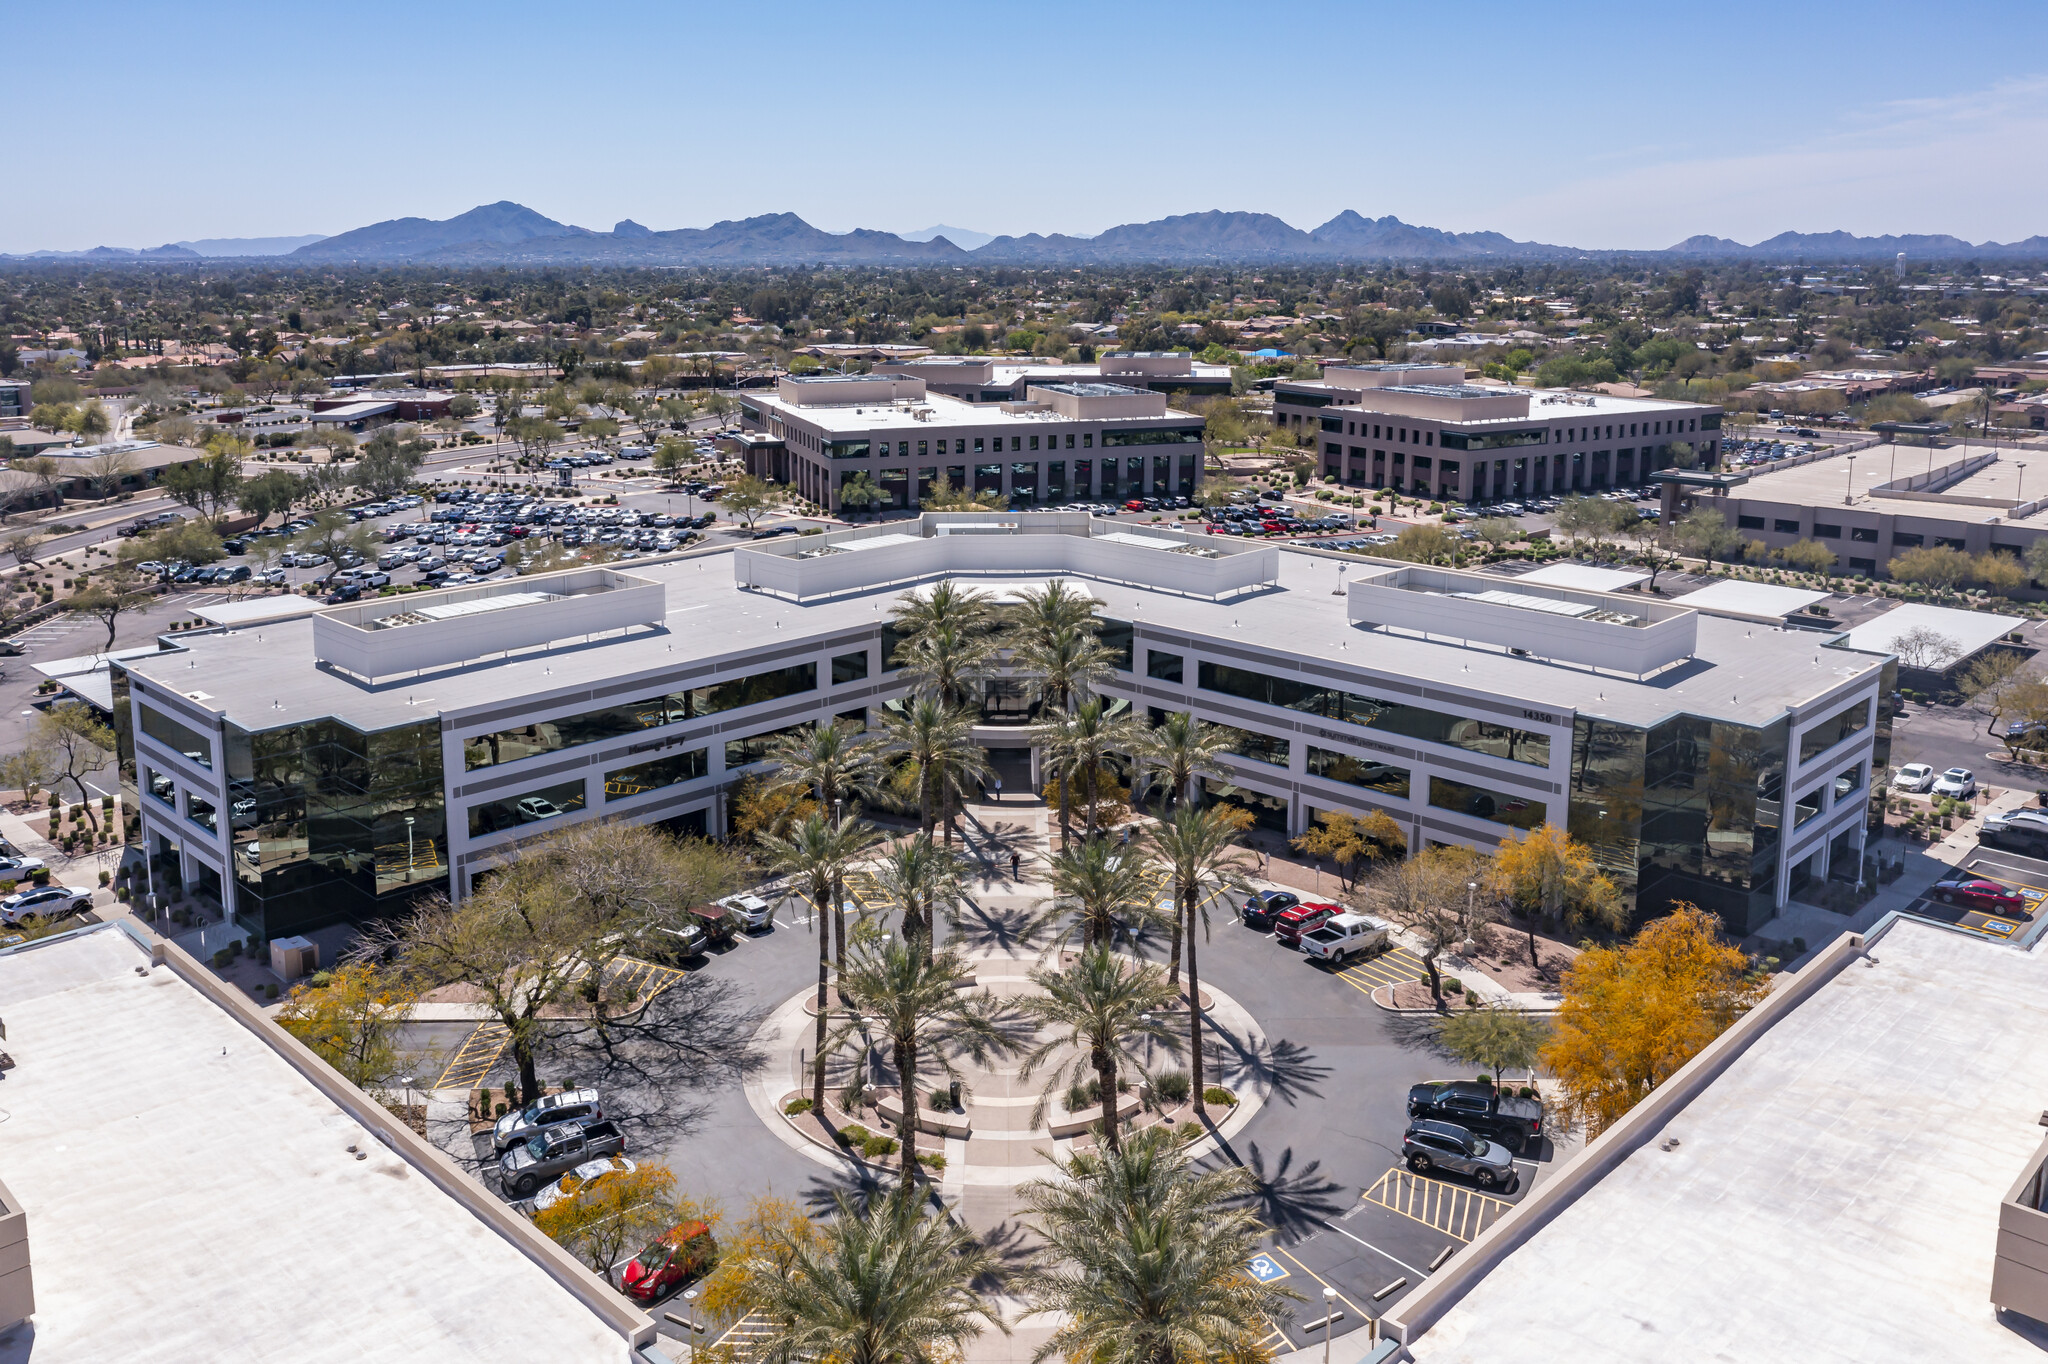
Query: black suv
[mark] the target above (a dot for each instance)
(1430, 1145)
(1514, 1123)
(1262, 909)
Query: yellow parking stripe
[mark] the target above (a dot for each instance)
(475, 1057)
(1452, 1209)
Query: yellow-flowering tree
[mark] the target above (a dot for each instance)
(1550, 875)
(1632, 1015)
(608, 1218)
(352, 1022)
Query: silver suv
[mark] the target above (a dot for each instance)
(1429, 1145)
(571, 1105)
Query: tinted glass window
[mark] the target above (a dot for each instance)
(632, 717)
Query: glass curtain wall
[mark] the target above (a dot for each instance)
(332, 824)
(1690, 809)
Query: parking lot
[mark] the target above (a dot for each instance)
(1324, 1152)
(2017, 872)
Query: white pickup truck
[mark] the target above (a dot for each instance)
(1345, 936)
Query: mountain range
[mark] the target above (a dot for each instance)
(506, 233)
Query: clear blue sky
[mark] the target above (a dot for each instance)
(1596, 125)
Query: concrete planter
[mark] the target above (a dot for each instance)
(890, 1106)
(1065, 1124)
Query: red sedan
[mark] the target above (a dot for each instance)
(1988, 896)
(682, 1253)
(1306, 918)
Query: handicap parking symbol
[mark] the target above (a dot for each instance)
(1266, 1270)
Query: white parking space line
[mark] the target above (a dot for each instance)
(1375, 1249)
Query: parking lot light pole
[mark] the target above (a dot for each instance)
(1329, 1320)
(1849, 487)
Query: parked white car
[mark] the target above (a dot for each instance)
(1958, 782)
(1913, 777)
(40, 904)
(751, 910)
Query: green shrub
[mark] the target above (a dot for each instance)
(106, 877)
(795, 1106)
(941, 1100)
(270, 990)
(878, 1145)
(1452, 985)
(1086, 1095)
(855, 1134)
(934, 1161)
(1172, 1087)
(499, 1110)
(1217, 1094)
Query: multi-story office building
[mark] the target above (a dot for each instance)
(14, 398)
(331, 766)
(977, 378)
(1063, 442)
(1427, 433)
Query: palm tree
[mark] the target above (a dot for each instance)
(920, 876)
(1051, 637)
(947, 604)
(816, 853)
(1113, 888)
(1181, 749)
(1064, 665)
(1198, 846)
(937, 743)
(1144, 1258)
(1051, 610)
(1103, 1012)
(1083, 745)
(913, 996)
(883, 1284)
(947, 661)
(838, 765)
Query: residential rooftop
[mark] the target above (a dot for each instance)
(191, 1195)
(1282, 602)
(1834, 1194)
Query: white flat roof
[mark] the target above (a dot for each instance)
(1584, 577)
(256, 610)
(1750, 601)
(1971, 630)
(190, 1196)
(1833, 1195)
(86, 663)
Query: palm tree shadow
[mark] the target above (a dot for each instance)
(978, 927)
(1010, 1245)
(1283, 1070)
(1294, 1204)
(857, 1186)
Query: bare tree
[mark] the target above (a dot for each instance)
(1441, 895)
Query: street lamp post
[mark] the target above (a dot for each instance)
(1849, 486)
(408, 847)
(1329, 1320)
(2020, 483)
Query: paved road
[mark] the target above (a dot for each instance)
(1324, 1151)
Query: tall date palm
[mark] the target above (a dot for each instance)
(1144, 1258)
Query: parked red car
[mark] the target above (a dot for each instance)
(1305, 918)
(682, 1253)
(1979, 894)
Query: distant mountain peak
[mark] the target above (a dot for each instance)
(626, 227)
